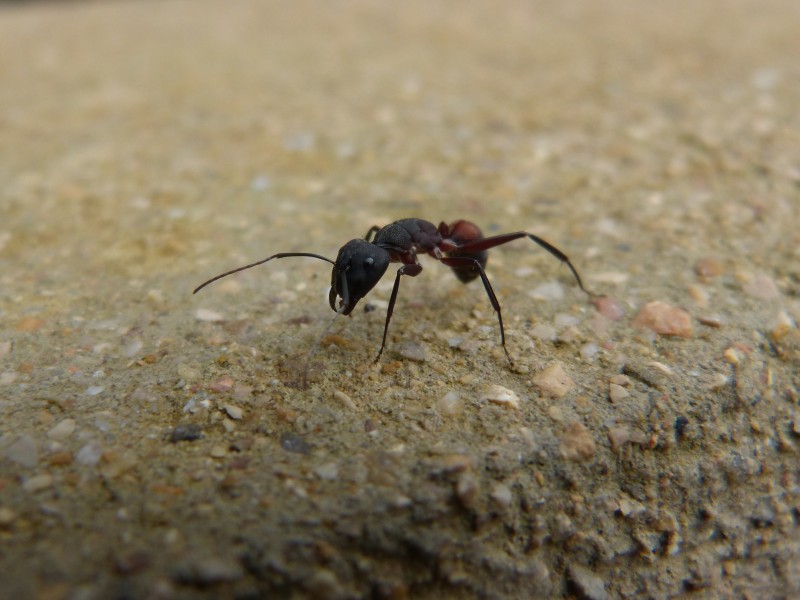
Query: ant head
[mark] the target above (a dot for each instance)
(358, 267)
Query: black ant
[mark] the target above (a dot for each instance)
(361, 263)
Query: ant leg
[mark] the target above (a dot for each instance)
(411, 270)
(371, 233)
(498, 240)
(466, 261)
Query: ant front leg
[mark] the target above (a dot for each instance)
(461, 262)
(411, 270)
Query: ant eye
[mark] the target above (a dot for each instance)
(369, 261)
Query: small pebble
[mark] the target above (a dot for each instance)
(218, 451)
(209, 316)
(411, 351)
(291, 442)
(618, 436)
(585, 584)
(554, 381)
(501, 496)
(497, 394)
(707, 268)
(467, 489)
(343, 399)
(610, 308)
(29, 324)
(89, 454)
(327, 471)
(577, 443)
(762, 287)
(589, 350)
(234, 412)
(23, 451)
(208, 571)
(617, 392)
(664, 319)
(5, 348)
(223, 384)
(550, 291)
(541, 331)
(62, 431)
(38, 483)
(450, 404)
(94, 390)
(699, 294)
(187, 432)
(7, 516)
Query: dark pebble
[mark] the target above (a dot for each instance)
(291, 442)
(680, 426)
(188, 432)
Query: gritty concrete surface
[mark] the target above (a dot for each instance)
(156, 444)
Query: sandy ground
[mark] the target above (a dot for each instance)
(156, 444)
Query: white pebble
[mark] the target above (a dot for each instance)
(589, 350)
(497, 394)
(94, 390)
(207, 315)
(551, 290)
(450, 404)
(62, 431)
(90, 454)
(234, 412)
(37, 483)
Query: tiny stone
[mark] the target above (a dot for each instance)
(718, 380)
(90, 454)
(94, 390)
(38, 483)
(62, 431)
(609, 307)
(553, 381)
(343, 399)
(208, 571)
(617, 392)
(761, 287)
(23, 451)
(223, 384)
(699, 294)
(588, 350)
(209, 316)
(234, 412)
(706, 268)
(411, 351)
(328, 471)
(577, 443)
(621, 379)
(732, 356)
(618, 436)
(585, 584)
(497, 394)
(7, 516)
(291, 442)
(450, 404)
(5, 348)
(218, 451)
(664, 319)
(544, 332)
(501, 496)
(188, 432)
(548, 291)
(467, 489)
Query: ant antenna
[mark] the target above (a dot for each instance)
(260, 262)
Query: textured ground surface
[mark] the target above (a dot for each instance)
(155, 444)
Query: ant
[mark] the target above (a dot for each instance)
(362, 262)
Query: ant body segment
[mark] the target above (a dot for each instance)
(362, 262)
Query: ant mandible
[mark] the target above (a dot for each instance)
(361, 263)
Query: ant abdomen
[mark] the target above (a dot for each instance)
(464, 232)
